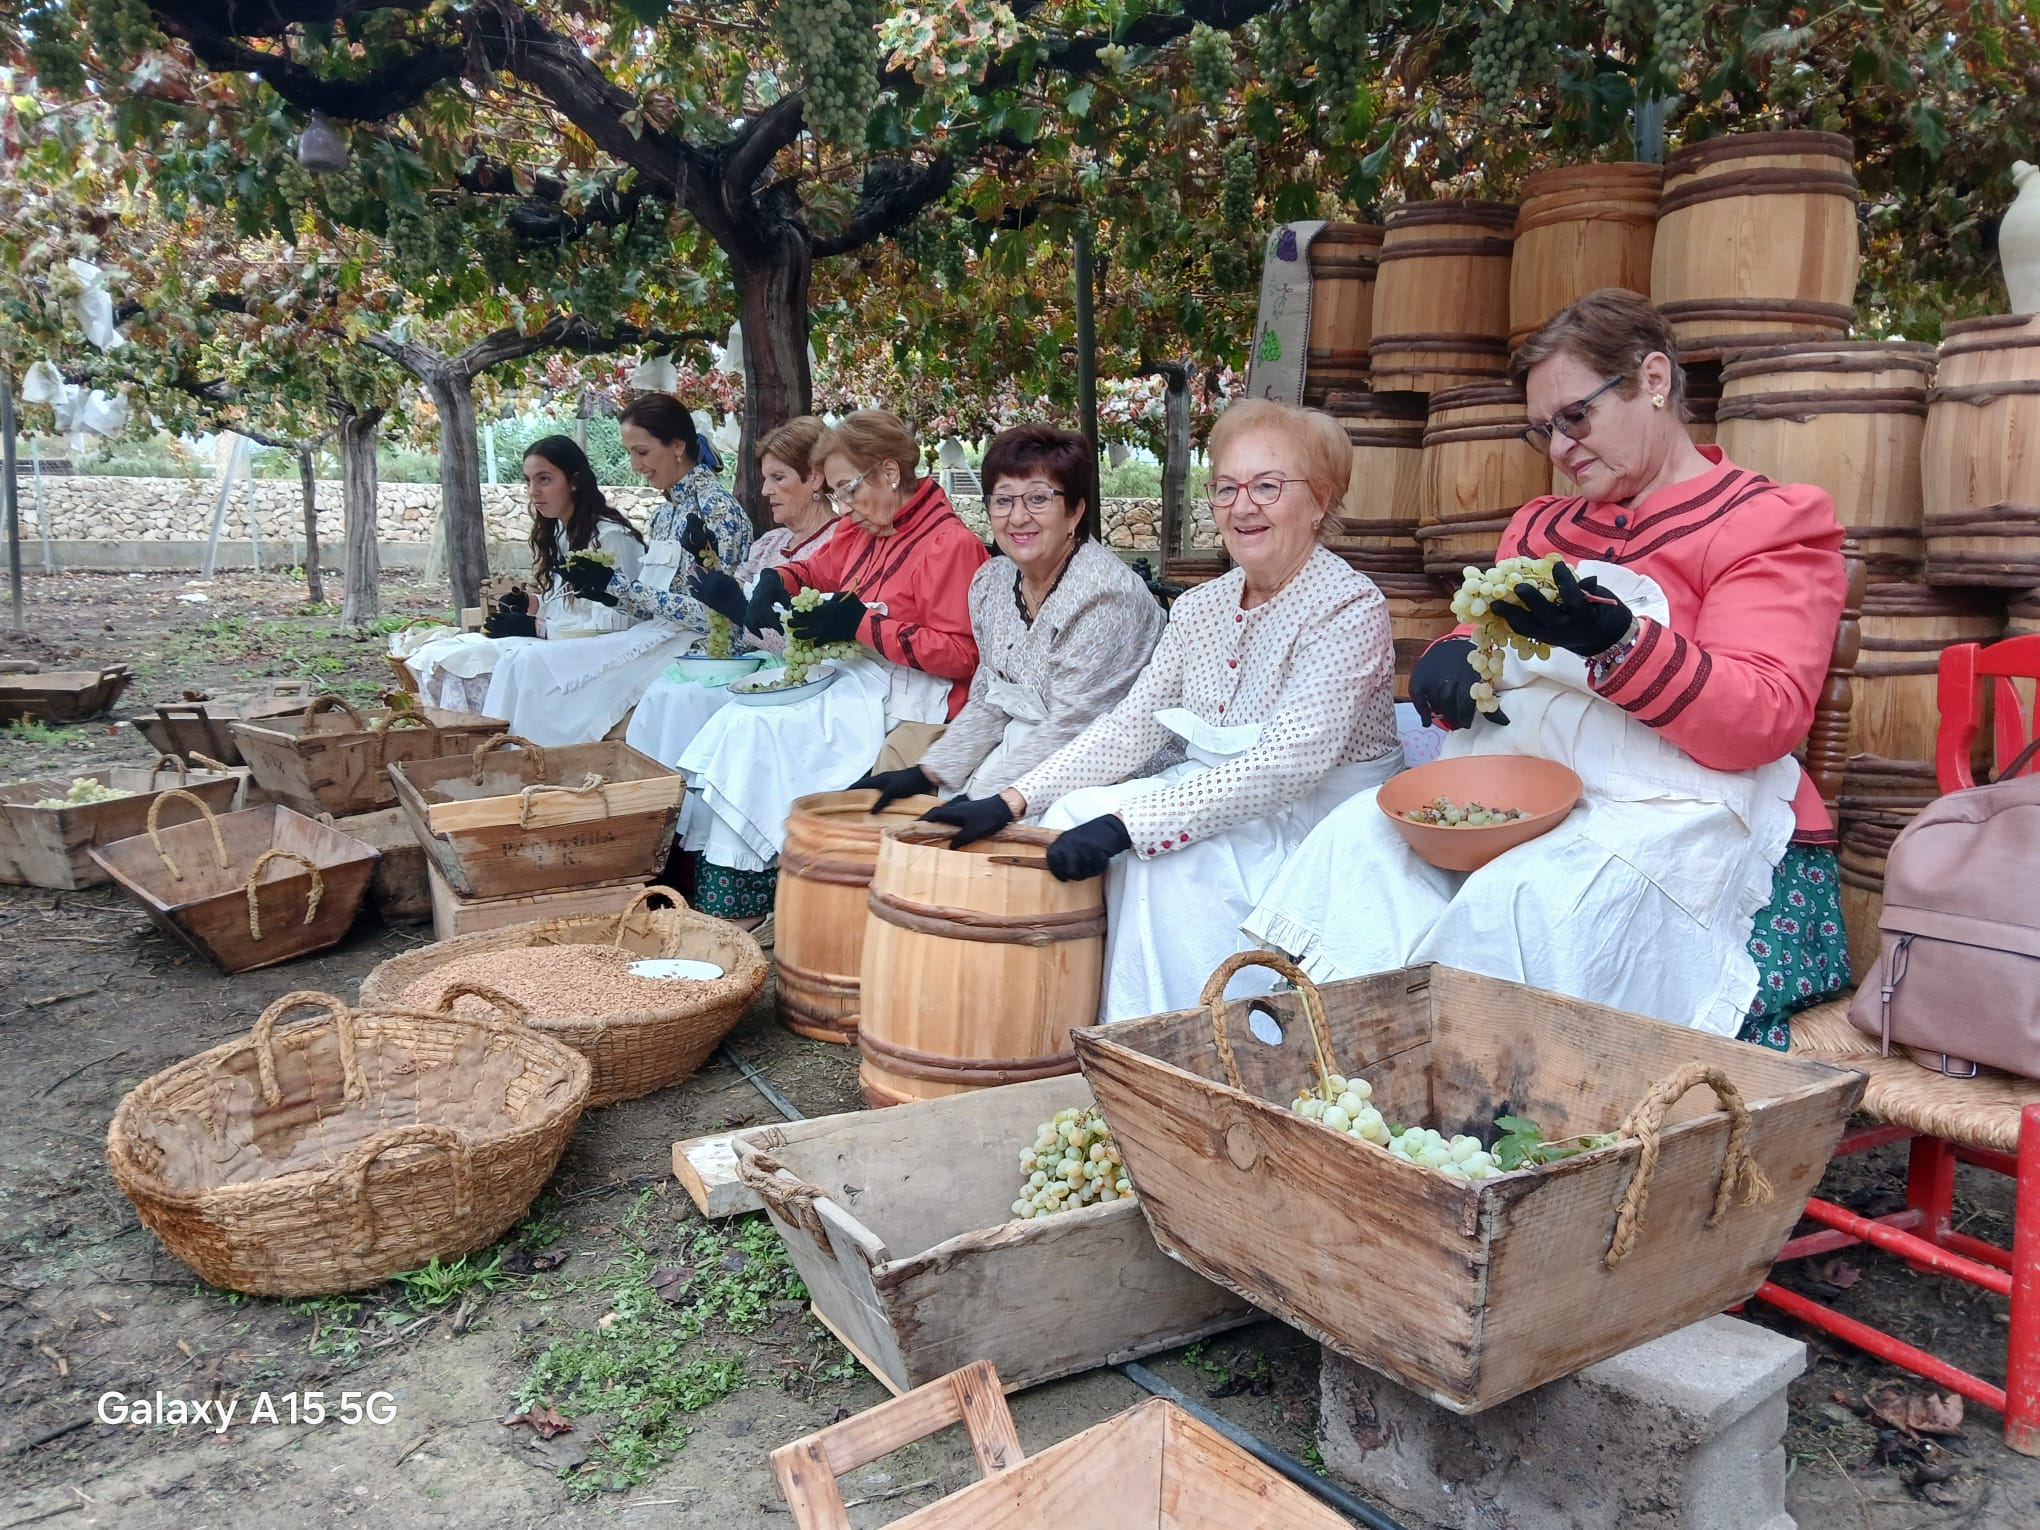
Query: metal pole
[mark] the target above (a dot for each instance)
(7, 491)
(219, 509)
(1087, 362)
(254, 517)
(42, 515)
(1650, 131)
(489, 448)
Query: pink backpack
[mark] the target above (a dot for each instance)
(1957, 980)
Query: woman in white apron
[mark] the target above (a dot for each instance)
(577, 692)
(568, 515)
(1063, 627)
(1269, 700)
(1695, 882)
(896, 574)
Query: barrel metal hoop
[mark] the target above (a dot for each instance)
(942, 1068)
(996, 929)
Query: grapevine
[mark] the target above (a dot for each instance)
(1479, 593)
(1073, 1162)
(83, 790)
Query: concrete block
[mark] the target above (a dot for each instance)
(1683, 1433)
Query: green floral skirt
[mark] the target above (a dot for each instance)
(729, 893)
(1798, 944)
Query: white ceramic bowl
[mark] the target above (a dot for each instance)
(819, 679)
(700, 669)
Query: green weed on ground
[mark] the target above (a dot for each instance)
(33, 730)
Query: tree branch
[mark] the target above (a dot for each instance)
(750, 154)
(1078, 54)
(369, 98)
(272, 18)
(893, 195)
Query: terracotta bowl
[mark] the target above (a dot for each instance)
(1544, 789)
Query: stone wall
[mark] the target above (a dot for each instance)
(180, 510)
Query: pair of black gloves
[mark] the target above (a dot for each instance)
(1585, 619)
(1077, 853)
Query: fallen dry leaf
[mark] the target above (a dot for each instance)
(548, 1422)
(1838, 1273)
(1917, 1414)
(670, 1281)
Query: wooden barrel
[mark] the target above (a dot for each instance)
(977, 963)
(1865, 844)
(1703, 397)
(1375, 527)
(1419, 613)
(1477, 473)
(824, 877)
(1195, 568)
(2022, 616)
(1441, 299)
(1342, 264)
(1580, 229)
(1756, 241)
(1847, 416)
(1981, 459)
(1896, 712)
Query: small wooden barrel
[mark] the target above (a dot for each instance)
(1580, 229)
(1375, 528)
(1847, 416)
(977, 963)
(1756, 241)
(818, 917)
(1896, 713)
(1703, 398)
(2022, 616)
(1419, 613)
(1195, 568)
(1342, 265)
(1441, 300)
(1865, 844)
(1477, 472)
(1981, 459)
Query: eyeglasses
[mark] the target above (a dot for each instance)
(1263, 491)
(1036, 500)
(848, 487)
(1574, 422)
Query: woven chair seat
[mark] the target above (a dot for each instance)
(1980, 1112)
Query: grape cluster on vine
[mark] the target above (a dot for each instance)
(1677, 33)
(121, 30)
(1212, 74)
(833, 51)
(1513, 51)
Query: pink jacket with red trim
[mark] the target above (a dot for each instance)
(1753, 572)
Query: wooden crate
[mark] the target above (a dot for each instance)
(454, 915)
(1153, 1465)
(52, 847)
(193, 728)
(400, 890)
(61, 695)
(1470, 1293)
(916, 1263)
(330, 759)
(520, 819)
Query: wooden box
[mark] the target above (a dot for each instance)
(61, 695)
(454, 915)
(400, 889)
(1468, 1292)
(1153, 1465)
(195, 728)
(520, 819)
(318, 762)
(52, 847)
(915, 1261)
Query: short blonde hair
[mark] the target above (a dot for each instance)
(794, 444)
(1323, 450)
(869, 437)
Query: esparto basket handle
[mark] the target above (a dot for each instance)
(176, 760)
(1213, 1000)
(156, 834)
(424, 621)
(311, 901)
(645, 895)
(1741, 1176)
(590, 783)
(354, 1170)
(786, 1193)
(508, 1010)
(263, 1039)
(329, 702)
(510, 741)
(207, 762)
(382, 728)
(807, 1469)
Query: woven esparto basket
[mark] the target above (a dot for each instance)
(327, 1155)
(632, 1054)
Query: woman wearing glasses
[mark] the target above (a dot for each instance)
(1696, 614)
(1062, 625)
(1268, 701)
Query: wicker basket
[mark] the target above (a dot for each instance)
(400, 662)
(631, 1054)
(327, 1155)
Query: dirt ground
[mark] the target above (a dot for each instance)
(679, 1352)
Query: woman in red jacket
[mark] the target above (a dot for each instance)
(1697, 610)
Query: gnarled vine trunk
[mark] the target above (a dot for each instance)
(772, 303)
(358, 487)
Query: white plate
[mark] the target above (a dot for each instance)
(675, 967)
(820, 678)
(700, 669)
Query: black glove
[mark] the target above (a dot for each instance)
(719, 592)
(515, 600)
(695, 539)
(768, 593)
(891, 785)
(1165, 593)
(504, 622)
(973, 818)
(1441, 685)
(1585, 618)
(588, 579)
(1087, 850)
(835, 620)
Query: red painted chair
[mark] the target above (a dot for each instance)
(1992, 1121)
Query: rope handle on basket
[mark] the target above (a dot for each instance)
(1213, 1000)
(644, 896)
(207, 762)
(425, 621)
(510, 741)
(156, 836)
(311, 902)
(156, 768)
(383, 726)
(263, 1038)
(319, 705)
(786, 1193)
(592, 783)
(1741, 1176)
(354, 1169)
(509, 1013)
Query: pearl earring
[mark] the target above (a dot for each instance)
(1657, 401)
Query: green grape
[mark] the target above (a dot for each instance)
(1212, 74)
(1480, 591)
(1086, 1171)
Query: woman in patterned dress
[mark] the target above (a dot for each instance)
(1696, 882)
(1269, 700)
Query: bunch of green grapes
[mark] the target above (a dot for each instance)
(722, 632)
(83, 790)
(802, 656)
(1072, 1163)
(1212, 74)
(1347, 1105)
(1677, 33)
(1461, 1157)
(832, 48)
(1511, 50)
(1480, 591)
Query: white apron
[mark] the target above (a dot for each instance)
(1642, 899)
(1026, 712)
(1173, 918)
